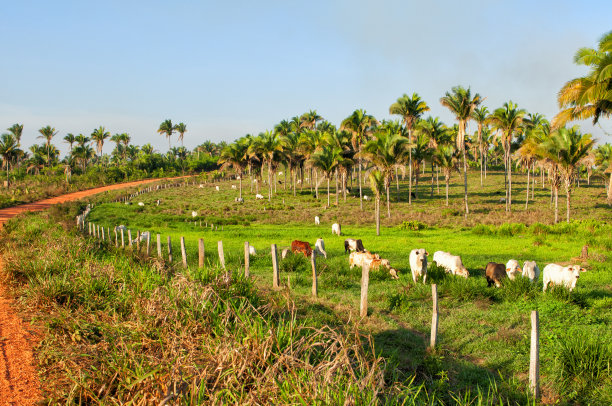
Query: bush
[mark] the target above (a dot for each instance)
(413, 225)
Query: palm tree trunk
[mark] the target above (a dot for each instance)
(480, 153)
(388, 205)
(465, 195)
(337, 191)
(527, 198)
(556, 204)
(344, 185)
(610, 191)
(285, 184)
(240, 183)
(360, 192)
(328, 191)
(275, 182)
(316, 174)
(270, 181)
(438, 179)
(410, 170)
(446, 178)
(377, 214)
(568, 198)
(432, 178)
(509, 182)
(397, 185)
(416, 182)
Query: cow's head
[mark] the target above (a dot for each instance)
(463, 272)
(394, 273)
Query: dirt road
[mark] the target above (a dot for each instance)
(19, 384)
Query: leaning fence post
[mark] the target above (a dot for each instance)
(148, 243)
(116, 238)
(88, 228)
(102, 233)
(247, 259)
(365, 281)
(315, 282)
(169, 250)
(122, 239)
(183, 252)
(434, 318)
(159, 251)
(275, 275)
(534, 357)
(98, 231)
(138, 241)
(130, 238)
(201, 253)
(221, 255)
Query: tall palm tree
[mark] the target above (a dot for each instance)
(310, 142)
(17, 131)
(8, 152)
(421, 151)
(445, 157)
(603, 159)
(83, 153)
(588, 96)
(70, 139)
(235, 156)
(81, 140)
(480, 116)
(167, 129)
(377, 181)
(98, 136)
(386, 151)
(566, 148)
(360, 126)
(269, 147)
(327, 159)
(47, 133)
(181, 129)
(438, 134)
(462, 104)
(410, 109)
(509, 121)
(342, 140)
(309, 120)
(290, 140)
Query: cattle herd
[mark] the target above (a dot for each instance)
(553, 274)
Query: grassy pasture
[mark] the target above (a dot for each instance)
(484, 333)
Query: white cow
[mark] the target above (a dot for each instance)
(217, 188)
(512, 269)
(252, 250)
(418, 263)
(336, 229)
(194, 214)
(121, 227)
(531, 271)
(233, 186)
(258, 196)
(320, 248)
(559, 275)
(451, 263)
(201, 186)
(360, 258)
(285, 252)
(141, 204)
(143, 237)
(239, 199)
(157, 202)
(317, 220)
(366, 197)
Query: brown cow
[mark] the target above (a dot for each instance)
(301, 246)
(494, 273)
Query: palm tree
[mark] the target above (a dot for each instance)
(386, 151)
(377, 181)
(181, 129)
(342, 140)
(445, 158)
(70, 139)
(81, 140)
(480, 116)
(47, 133)
(83, 153)
(310, 141)
(359, 125)
(566, 148)
(268, 146)
(290, 140)
(327, 159)
(588, 96)
(603, 159)
(235, 156)
(309, 120)
(8, 152)
(167, 128)
(16, 130)
(98, 136)
(438, 134)
(420, 152)
(462, 104)
(147, 149)
(410, 109)
(508, 120)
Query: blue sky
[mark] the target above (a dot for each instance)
(231, 68)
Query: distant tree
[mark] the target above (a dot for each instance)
(377, 181)
(438, 134)
(98, 136)
(181, 129)
(70, 139)
(235, 156)
(81, 140)
(47, 133)
(17, 131)
(8, 152)
(83, 154)
(166, 128)
(268, 146)
(446, 159)
(327, 159)
(603, 158)
(479, 115)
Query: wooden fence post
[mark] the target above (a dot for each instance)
(534, 356)
(130, 238)
(88, 228)
(159, 251)
(275, 275)
(315, 282)
(201, 253)
(365, 282)
(169, 250)
(122, 240)
(116, 238)
(183, 252)
(148, 243)
(434, 318)
(98, 231)
(138, 240)
(247, 260)
(221, 255)
(102, 233)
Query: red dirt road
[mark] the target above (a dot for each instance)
(19, 384)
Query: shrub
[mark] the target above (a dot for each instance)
(413, 225)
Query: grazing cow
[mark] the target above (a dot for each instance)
(301, 246)
(366, 197)
(559, 275)
(201, 186)
(239, 199)
(418, 264)
(360, 258)
(128, 203)
(233, 186)
(217, 188)
(252, 250)
(495, 273)
(141, 204)
(258, 196)
(320, 248)
(353, 245)
(157, 202)
(280, 174)
(143, 237)
(317, 221)
(512, 269)
(336, 229)
(285, 252)
(531, 271)
(121, 227)
(451, 263)
(194, 214)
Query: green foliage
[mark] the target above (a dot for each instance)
(413, 225)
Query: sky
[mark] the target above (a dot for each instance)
(232, 68)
